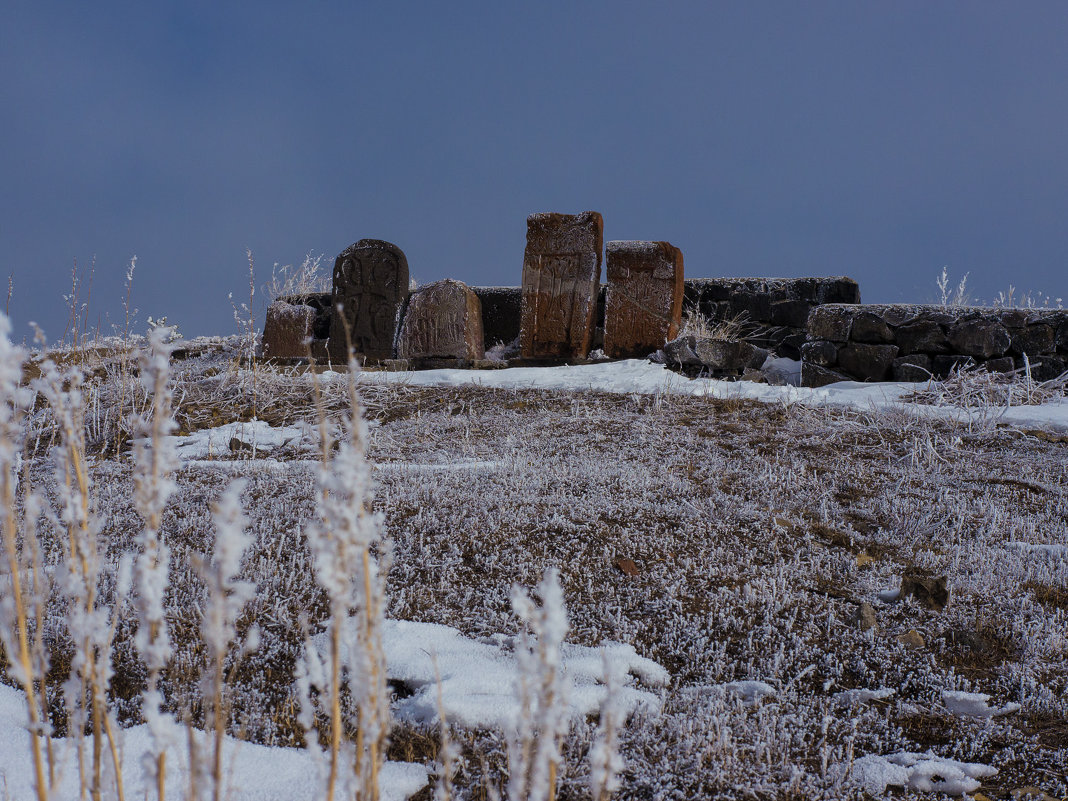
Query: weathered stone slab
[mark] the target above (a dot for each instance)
(370, 287)
(983, 338)
(443, 320)
(561, 277)
(643, 305)
(832, 323)
(287, 330)
(821, 353)
(867, 362)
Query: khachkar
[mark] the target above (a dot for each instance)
(370, 286)
(643, 307)
(443, 320)
(561, 278)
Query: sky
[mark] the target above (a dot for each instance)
(883, 141)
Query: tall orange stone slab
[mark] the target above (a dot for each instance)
(643, 307)
(561, 278)
(443, 320)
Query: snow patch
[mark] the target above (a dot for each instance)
(258, 435)
(925, 772)
(851, 697)
(974, 705)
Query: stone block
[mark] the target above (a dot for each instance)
(1046, 368)
(820, 352)
(370, 288)
(812, 375)
(443, 320)
(724, 355)
(790, 345)
(753, 306)
(1062, 336)
(867, 362)
(1033, 340)
(871, 328)
(1003, 364)
(643, 305)
(922, 336)
(502, 308)
(832, 323)
(944, 364)
(561, 279)
(915, 367)
(287, 330)
(979, 337)
(838, 290)
(791, 313)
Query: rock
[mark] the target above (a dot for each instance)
(790, 345)
(838, 290)
(1046, 368)
(502, 308)
(626, 566)
(870, 328)
(442, 320)
(812, 375)
(755, 306)
(791, 313)
(286, 329)
(865, 618)
(561, 279)
(944, 365)
(1003, 365)
(756, 376)
(914, 367)
(370, 286)
(1062, 335)
(643, 305)
(983, 338)
(681, 350)
(1034, 340)
(240, 446)
(923, 336)
(830, 322)
(929, 591)
(717, 354)
(911, 639)
(866, 362)
(820, 352)
(757, 357)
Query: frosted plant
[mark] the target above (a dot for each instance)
(534, 746)
(341, 544)
(91, 623)
(15, 599)
(154, 461)
(226, 597)
(605, 761)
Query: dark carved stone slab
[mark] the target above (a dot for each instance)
(370, 285)
(287, 329)
(443, 320)
(643, 306)
(561, 277)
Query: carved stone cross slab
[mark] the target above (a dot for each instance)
(561, 277)
(443, 320)
(370, 284)
(643, 308)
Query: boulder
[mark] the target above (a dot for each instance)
(870, 328)
(790, 313)
(1033, 340)
(915, 367)
(832, 323)
(929, 591)
(820, 352)
(728, 356)
(1062, 335)
(812, 375)
(1046, 368)
(945, 364)
(1003, 364)
(755, 306)
(867, 362)
(922, 336)
(979, 337)
(838, 290)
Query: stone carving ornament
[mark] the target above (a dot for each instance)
(370, 286)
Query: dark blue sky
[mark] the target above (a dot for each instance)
(878, 140)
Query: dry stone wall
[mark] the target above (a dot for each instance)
(772, 312)
(903, 342)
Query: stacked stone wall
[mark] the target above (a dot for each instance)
(772, 312)
(903, 342)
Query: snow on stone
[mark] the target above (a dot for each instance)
(975, 705)
(751, 692)
(258, 435)
(850, 697)
(925, 772)
(253, 772)
(478, 677)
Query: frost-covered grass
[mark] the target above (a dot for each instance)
(757, 530)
